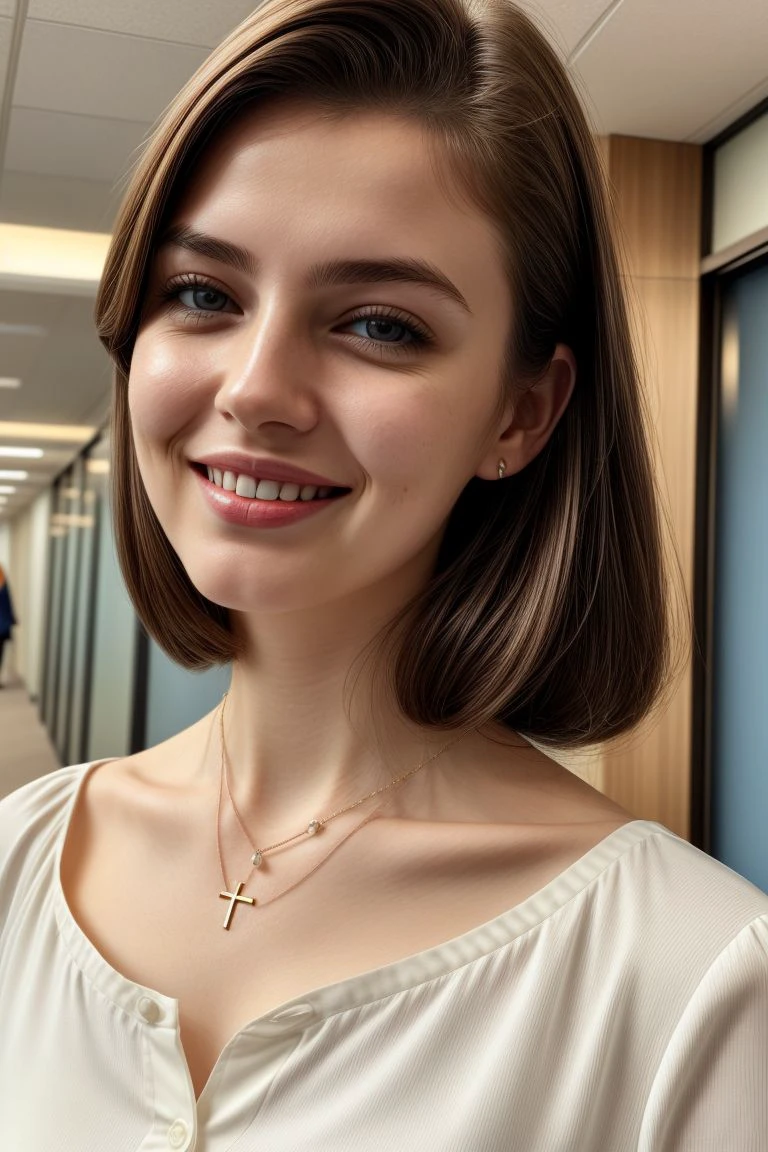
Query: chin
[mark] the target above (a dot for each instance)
(248, 589)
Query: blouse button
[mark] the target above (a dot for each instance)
(177, 1134)
(150, 1010)
(294, 1015)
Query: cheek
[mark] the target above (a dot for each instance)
(163, 391)
(417, 453)
(390, 444)
(421, 427)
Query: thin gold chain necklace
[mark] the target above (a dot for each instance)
(312, 828)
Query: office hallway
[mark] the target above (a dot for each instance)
(25, 750)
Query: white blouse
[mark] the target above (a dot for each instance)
(623, 1006)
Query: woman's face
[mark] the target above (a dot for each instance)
(301, 351)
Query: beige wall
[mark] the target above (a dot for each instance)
(740, 203)
(27, 576)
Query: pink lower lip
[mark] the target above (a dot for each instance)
(258, 513)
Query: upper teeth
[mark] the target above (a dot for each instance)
(263, 489)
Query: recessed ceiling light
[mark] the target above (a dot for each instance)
(21, 453)
(7, 489)
(13, 474)
(9, 382)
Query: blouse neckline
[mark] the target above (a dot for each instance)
(366, 987)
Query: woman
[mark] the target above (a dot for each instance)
(7, 617)
(378, 441)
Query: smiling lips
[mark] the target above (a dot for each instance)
(245, 501)
(253, 489)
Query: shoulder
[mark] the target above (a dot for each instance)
(31, 819)
(33, 816)
(35, 802)
(710, 1090)
(695, 885)
(671, 913)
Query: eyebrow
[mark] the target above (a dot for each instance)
(403, 270)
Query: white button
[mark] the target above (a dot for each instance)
(150, 1010)
(177, 1134)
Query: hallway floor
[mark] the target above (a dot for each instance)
(25, 750)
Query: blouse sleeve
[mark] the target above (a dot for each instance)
(710, 1093)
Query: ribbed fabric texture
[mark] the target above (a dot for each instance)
(622, 1007)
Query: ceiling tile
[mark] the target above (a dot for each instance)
(663, 70)
(181, 21)
(64, 373)
(58, 202)
(15, 309)
(18, 357)
(201, 22)
(7, 8)
(122, 77)
(730, 113)
(82, 147)
(564, 23)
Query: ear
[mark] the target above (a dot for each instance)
(531, 416)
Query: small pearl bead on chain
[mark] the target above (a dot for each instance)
(312, 828)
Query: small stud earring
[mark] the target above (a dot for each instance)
(502, 468)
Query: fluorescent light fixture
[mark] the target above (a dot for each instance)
(13, 474)
(59, 433)
(9, 382)
(52, 253)
(21, 453)
(22, 329)
(7, 489)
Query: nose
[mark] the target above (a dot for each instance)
(269, 373)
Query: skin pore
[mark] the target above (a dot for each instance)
(386, 388)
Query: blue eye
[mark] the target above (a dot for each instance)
(384, 328)
(388, 331)
(204, 298)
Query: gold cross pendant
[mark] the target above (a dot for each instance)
(235, 896)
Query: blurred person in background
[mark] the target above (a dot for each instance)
(7, 618)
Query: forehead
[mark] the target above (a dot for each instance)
(367, 180)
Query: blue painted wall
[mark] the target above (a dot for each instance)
(740, 666)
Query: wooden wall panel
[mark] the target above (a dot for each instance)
(657, 195)
(658, 190)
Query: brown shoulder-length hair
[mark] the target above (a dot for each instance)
(548, 610)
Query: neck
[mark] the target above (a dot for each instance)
(299, 749)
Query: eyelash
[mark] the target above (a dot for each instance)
(420, 337)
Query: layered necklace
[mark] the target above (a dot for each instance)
(313, 827)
